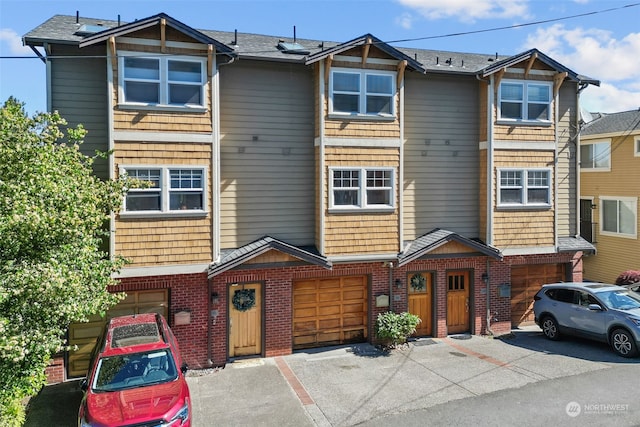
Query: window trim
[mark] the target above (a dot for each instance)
(524, 187)
(594, 168)
(163, 82)
(362, 190)
(165, 191)
(525, 102)
(636, 146)
(634, 201)
(362, 105)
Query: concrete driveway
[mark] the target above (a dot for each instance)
(349, 385)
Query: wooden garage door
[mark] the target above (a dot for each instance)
(85, 335)
(526, 280)
(329, 311)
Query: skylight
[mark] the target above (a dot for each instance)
(295, 48)
(88, 29)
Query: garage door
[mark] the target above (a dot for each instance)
(84, 335)
(526, 281)
(329, 311)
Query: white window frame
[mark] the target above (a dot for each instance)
(163, 81)
(524, 103)
(636, 146)
(586, 167)
(362, 188)
(363, 94)
(165, 190)
(524, 187)
(632, 203)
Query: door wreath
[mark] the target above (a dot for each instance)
(418, 282)
(244, 299)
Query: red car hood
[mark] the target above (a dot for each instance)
(135, 405)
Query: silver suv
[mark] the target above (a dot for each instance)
(597, 311)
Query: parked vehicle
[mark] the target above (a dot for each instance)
(596, 311)
(136, 376)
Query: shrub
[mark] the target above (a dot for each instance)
(628, 277)
(393, 328)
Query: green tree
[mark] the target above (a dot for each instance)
(52, 271)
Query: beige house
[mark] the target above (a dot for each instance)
(609, 192)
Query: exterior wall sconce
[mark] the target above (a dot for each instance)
(398, 283)
(214, 298)
(485, 278)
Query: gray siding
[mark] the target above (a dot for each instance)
(441, 180)
(567, 215)
(267, 153)
(79, 94)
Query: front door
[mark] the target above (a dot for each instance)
(457, 302)
(245, 320)
(420, 290)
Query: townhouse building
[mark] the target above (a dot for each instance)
(301, 187)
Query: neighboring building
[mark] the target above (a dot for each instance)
(300, 187)
(609, 191)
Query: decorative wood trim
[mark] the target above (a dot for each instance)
(499, 76)
(365, 51)
(530, 64)
(402, 65)
(558, 79)
(112, 47)
(327, 69)
(146, 136)
(210, 60)
(163, 38)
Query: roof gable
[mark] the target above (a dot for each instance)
(159, 19)
(365, 40)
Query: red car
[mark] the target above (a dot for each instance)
(136, 377)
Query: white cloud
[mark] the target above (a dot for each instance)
(610, 99)
(468, 10)
(405, 21)
(11, 39)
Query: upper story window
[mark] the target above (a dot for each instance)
(362, 93)
(595, 155)
(362, 188)
(162, 80)
(525, 101)
(170, 190)
(619, 216)
(524, 187)
(636, 146)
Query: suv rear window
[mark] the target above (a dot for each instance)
(141, 333)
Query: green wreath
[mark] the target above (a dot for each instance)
(244, 299)
(418, 282)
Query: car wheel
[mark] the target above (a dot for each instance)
(550, 328)
(623, 343)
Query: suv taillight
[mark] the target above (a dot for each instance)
(537, 297)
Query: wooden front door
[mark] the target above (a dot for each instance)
(420, 291)
(457, 302)
(245, 320)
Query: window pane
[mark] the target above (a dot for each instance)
(185, 201)
(538, 179)
(152, 176)
(378, 104)
(184, 94)
(143, 201)
(627, 217)
(511, 92)
(142, 68)
(379, 84)
(510, 196)
(346, 82)
(185, 71)
(601, 155)
(186, 178)
(610, 215)
(345, 197)
(586, 156)
(510, 110)
(346, 103)
(378, 178)
(142, 92)
(538, 93)
(346, 178)
(538, 112)
(379, 197)
(510, 178)
(537, 195)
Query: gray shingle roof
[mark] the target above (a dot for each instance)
(626, 122)
(574, 244)
(63, 28)
(436, 238)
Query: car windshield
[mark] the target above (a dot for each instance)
(115, 373)
(620, 299)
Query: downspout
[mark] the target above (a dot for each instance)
(489, 231)
(390, 264)
(488, 299)
(322, 178)
(209, 361)
(556, 164)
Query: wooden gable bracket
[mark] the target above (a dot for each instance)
(163, 39)
(530, 64)
(327, 69)
(112, 49)
(210, 60)
(497, 80)
(557, 82)
(365, 51)
(402, 65)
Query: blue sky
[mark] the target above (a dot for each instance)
(603, 44)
